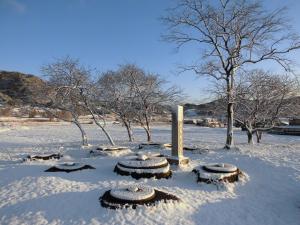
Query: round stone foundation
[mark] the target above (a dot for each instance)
(143, 166)
(153, 145)
(42, 157)
(149, 154)
(217, 172)
(110, 151)
(69, 167)
(134, 195)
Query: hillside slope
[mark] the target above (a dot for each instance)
(18, 88)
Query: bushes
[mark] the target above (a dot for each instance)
(6, 111)
(64, 115)
(33, 113)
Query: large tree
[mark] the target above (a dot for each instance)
(150, 95)
(89, 97)
(135, 96)
(232, 34)
(117, 96)
(70, 89)
(261, 98)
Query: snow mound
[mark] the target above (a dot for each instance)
(39, 187)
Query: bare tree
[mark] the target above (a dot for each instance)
(71, 89)
(232, 34)
(149, 95)
(89, 97)
(136, 96)
(117, 97)
(65, 77)
(260, 99)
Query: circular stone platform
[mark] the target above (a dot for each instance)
(110, 151)
(149, 154)
(69, 167)
(151, 145)
(44, 156)
(217, 172)
(143, 166)
(132, 196)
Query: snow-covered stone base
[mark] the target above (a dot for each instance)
(216, 172)
(69, 167)
(149, 154)
(134, 195)
(182, 160)
(153, 145)
(143, 166)
(110, 151)
(41, 157)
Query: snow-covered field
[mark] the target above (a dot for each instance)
(269, 193)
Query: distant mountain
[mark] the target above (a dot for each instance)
(217, 108)
(18, 88)
(210, 109)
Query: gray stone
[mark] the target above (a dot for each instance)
(177, 137)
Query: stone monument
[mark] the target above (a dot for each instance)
(177, 137)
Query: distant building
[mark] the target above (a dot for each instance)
(292, 129)
(294, 122)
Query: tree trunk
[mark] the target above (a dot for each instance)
(111, 141)
(250, 136)
(97, 122)
(83, 134)
(229, 138)
(258, 136)
(103, 129)
(129, 131)
(148, 132)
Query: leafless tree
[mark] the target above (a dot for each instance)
(117, 97)
(89, 97)
(89, 100)
(150, 96)
(70, 89)
(64, 79)
(232, 34)
(136, 96)
(260, 99)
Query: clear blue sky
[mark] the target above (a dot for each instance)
(102, 34)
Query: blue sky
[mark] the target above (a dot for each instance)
(102, 34)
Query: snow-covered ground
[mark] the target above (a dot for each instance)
(268, 194)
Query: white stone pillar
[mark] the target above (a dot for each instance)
(177, 131)
(177, 137)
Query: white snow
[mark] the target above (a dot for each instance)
(269, 194)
